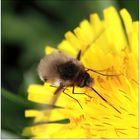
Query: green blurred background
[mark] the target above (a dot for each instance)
(27, 27)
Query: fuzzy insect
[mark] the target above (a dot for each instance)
(63, 71)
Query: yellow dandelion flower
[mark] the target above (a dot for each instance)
(110, 45)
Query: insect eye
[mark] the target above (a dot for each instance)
(86, 76)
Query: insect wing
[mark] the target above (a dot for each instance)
(47, 108)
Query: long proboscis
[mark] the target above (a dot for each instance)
(102, 73)
(105, 100)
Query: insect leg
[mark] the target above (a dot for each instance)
(72, 98)
(79, 93)
(55, 86)
(59, 89)
(56, 94)
(78, 55)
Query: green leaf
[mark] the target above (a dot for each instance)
(12, 111)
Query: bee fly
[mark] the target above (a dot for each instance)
(64, 71)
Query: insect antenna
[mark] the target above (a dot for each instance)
(102, 73)
(105, 100)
